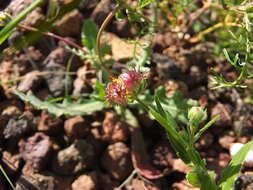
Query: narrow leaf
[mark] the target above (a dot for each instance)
(232, 171)
(144, 3)
(159, 106)
(66, 108)
(6, 31)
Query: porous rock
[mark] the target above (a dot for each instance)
(36, 151)
(113, 129)
(87, 181)
(116, 160)
(36, 181)
(50, 124)
(78, 157)
(76, 127)
(70, 24)
(18, 126)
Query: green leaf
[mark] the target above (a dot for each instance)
(100, 89)
(89, 34)
(159, 106)
(144, 3)
(192, 178)
(176, 140)
(84, 107)
(105, 49)
(203, 129)
(6, 31)
(232, 171)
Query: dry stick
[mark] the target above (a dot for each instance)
(73, 44)
(101, 29)
(212, 28)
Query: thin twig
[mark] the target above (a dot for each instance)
(211, 29)
(127, 179)
(73, 44)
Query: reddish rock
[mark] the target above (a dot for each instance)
(30, 81)
(78, 157)
(219, 162)
(183, 185)
(116, 160)
(76, 127)
(37, 181)
(138, 184)
(162, 155)
(11, 163)
(87, 181)
(225, 114)
(226, 141)
(205, 141)
(101, 11)
(36, 151)
(50, 124)
(70, 24)
(107, 182)
(179, 165)
(114, 129)
(3, 122)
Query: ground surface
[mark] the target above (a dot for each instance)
(99, 150)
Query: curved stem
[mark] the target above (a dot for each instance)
(102, 28)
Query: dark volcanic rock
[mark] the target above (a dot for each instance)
(18, 126)
(56, 79)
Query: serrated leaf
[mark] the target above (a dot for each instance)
(232, 171)
(84, 107)
(89, 34)
(176, 106)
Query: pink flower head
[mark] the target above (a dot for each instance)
(116, 93)
(123, 87)
(131, 79)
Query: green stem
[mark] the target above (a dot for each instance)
(7, 178)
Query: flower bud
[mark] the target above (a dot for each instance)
(4, 18)
(196, 115)
(131, 79)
